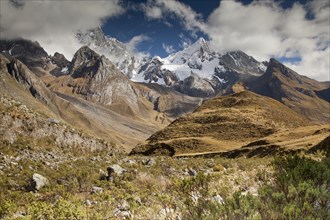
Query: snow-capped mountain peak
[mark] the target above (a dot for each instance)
(198, 50)
(198, 69)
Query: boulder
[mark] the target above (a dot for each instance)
(96, 189)
(192, 172)
(115, 169)
(217, 199)
(38, 181)
(148, 162)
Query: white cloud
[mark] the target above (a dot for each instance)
(163, 8)
(53, 23)
(153, 12)
(184, 41)
(168, 48)
(134, 42)
(263, 29)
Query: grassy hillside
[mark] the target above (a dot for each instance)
(223, 124)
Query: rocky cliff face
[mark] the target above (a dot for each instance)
(111, 48)
(26, 78)
(97, 79)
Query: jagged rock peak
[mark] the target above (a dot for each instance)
(84, 54)
(204, 45)
(95, 35)
(83, 58)
(60, 60)
(282, 69)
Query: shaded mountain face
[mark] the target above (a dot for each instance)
(35, 57)
(200, 71)
(302, 94)
(222, 124)
(30, 53)
(59, 65)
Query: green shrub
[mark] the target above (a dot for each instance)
(61, 210)
(301, 187)
(7, 207)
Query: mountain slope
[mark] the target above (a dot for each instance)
(304, 95)
(224, 123)
(19, 83)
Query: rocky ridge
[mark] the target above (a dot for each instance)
(300, 93)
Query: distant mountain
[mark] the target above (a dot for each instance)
(95, 78)
(199, 71)
(30, 53)
(35, 57)
(300, 93)
(223, 124)
(113, 49)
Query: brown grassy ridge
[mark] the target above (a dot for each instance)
(226, 123)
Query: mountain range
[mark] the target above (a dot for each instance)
(109, 93)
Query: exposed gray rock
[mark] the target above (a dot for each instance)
(138, 200)
(113, 49)
(122, 211)
(166, 213)
(192, 172)
(218, 199)
(149, 162)
(88, 202)
(124, 206)
(129, 161)
(53, 120)
(122, 214)
(96, 189)
(103, 175)
(115, 169)
(38, 181)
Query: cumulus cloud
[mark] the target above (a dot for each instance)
(53, 23)
(168, 48)
(264, 29)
